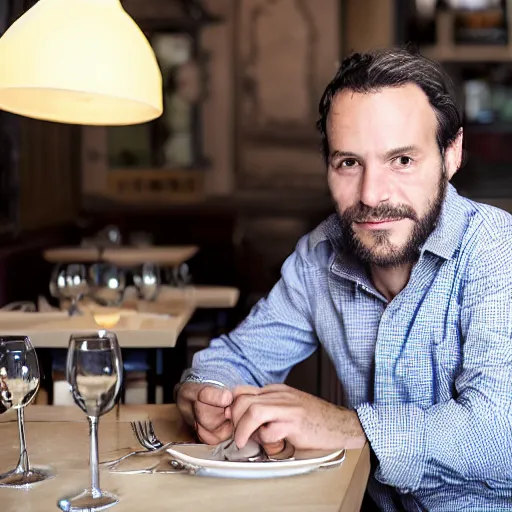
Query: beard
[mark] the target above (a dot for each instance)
(382, 253)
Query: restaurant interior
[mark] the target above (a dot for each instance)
(167, 229)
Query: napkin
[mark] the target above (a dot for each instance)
(228, 450)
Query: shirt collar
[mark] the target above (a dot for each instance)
(342, 262)
(451, 226)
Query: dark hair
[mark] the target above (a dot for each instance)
(370, 72)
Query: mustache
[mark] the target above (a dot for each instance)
(363, 213)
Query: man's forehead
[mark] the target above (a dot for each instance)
(388, 114)
(404, 100)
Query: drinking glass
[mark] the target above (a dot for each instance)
(19, 382)
(147, 281)
(106, 284)
(94, 373)
(70, 282)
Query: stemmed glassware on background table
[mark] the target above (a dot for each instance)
(147, 281)
(70, 282)
(107, 283)
(19, 382)
(94, 373)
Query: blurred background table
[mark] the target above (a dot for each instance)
(123, 255)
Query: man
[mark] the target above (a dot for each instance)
(409, 290)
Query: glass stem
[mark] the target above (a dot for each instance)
(93, 461)
(23, 463)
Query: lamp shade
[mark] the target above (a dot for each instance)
(80, 62)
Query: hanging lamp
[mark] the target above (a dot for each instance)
(81, 62)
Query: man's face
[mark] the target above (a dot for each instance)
(386, 173)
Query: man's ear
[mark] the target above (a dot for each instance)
(453, 155)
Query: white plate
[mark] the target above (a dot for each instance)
(200, 459)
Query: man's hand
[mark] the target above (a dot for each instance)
(204, 407)
(277, 412)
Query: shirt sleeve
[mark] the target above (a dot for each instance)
(276, 335)
(469, 437)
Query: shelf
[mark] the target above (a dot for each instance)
(446, 50)
(468, 53)
(497, 127)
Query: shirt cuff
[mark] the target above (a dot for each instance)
(212, 375)
(397, 437)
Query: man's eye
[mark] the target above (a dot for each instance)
(344, 163)
(348, 162)
(403, 161)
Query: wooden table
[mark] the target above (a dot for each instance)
(165, 255)
(153, 324)
(58, 436)
(52, 330)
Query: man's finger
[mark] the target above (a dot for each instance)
(272, 388)
(256, 415)
(185, 399)
(271, 447)
(272, 435)
(246, 390)
(241, 405)
(188, 391)
(253, 390)
(244, 401)
(220, 434)
(209, 416)
(215, 396)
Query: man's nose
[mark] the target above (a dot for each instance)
(374, 186)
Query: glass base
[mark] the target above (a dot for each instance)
(24, 479)
(88, 501)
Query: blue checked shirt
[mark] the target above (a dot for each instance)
(429, 373)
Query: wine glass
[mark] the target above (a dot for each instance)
(181, 275)
(19, 382)
(94, 373)
(147, 281)
(70, 282)
(54, 280)
(106, 284)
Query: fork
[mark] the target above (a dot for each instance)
(145, 435)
